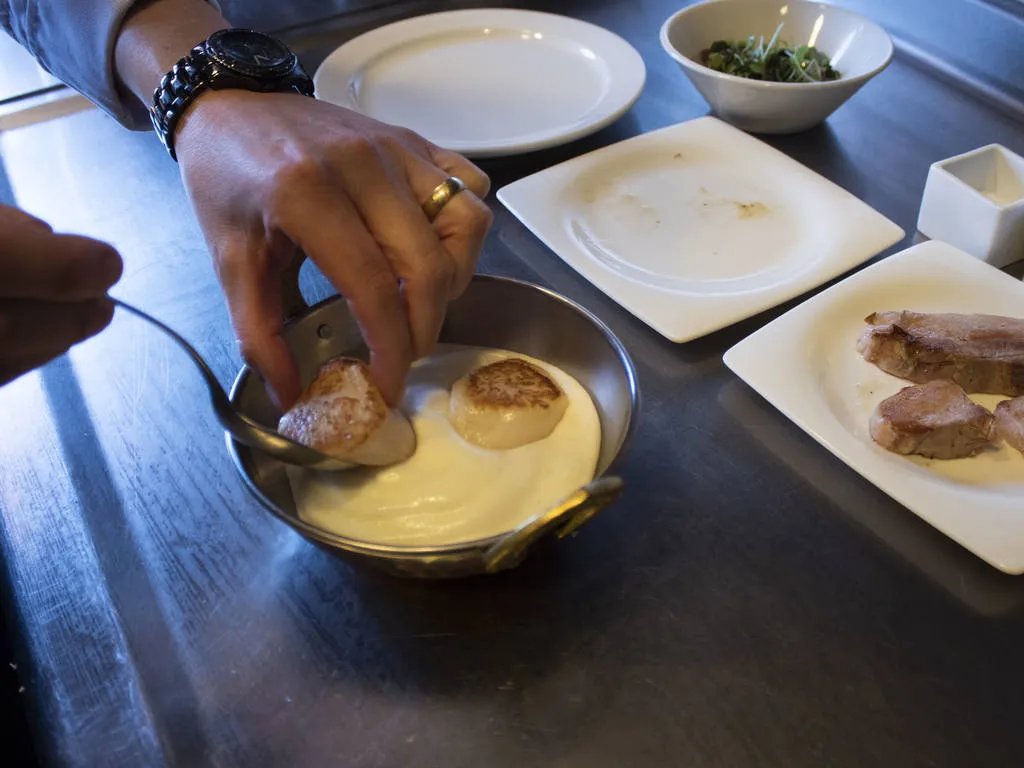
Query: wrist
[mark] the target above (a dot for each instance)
(202, 111)
(155, 36)
(210, 110)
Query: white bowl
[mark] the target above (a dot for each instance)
(975, 202)
(858, 47)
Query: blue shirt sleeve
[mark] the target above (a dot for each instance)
(74, 41)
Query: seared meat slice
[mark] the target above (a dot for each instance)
(1010, 422)
(981, 353)
(936, 420)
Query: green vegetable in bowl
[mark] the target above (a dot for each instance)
(776, 61)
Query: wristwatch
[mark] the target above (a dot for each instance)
(229, 58)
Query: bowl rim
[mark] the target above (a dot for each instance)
(376, 549)
(700, 68)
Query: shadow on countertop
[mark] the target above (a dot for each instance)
(17, 741)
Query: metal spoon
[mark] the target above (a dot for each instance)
(241, 427)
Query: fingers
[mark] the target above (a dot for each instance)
(395, 220)
(11, 218)
(12, 368)
(462, 227)
(463, 223)
(37, 264)
(324, 223)
(253, 293)
(450, 163)
(37, 330)
(454, 164)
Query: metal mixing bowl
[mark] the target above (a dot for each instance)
(493, 312)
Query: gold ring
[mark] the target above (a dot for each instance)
(442, 195)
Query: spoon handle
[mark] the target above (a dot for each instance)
(241, 427)
(222, 407)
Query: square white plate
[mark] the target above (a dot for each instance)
(696, 226)
(806, 364)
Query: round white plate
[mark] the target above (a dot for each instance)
(487, 82)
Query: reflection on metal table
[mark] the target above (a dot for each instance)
(749, 601)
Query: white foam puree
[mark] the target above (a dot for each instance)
(450, 490)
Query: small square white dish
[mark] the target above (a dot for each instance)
(975, 202)
(696, 226)
(806, 364)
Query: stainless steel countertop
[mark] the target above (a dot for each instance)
(751, 601)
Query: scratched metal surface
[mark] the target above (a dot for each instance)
(750, 602)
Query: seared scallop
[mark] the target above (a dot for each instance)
(506, 404)
(342, 413)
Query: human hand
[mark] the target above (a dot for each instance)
(272, 173)
(53, 291)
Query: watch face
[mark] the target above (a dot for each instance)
(250, 52)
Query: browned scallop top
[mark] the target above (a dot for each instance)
(512, 383)
(339, 409)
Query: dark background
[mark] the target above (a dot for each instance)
(12, 708)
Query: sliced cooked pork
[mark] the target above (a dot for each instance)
(1009, 424)
(935, 419)
(981, 353)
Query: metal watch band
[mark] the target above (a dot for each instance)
(177, 89)
(195, 73)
